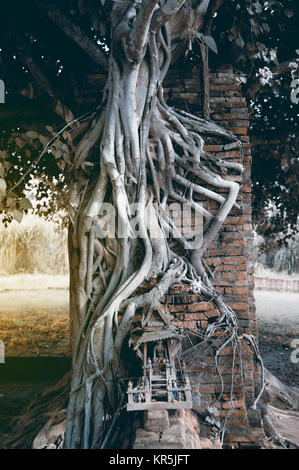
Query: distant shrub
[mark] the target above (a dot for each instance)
(286, 259)
(33, 246)
(280, 260)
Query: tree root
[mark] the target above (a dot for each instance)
(273, 435)
(142, 152)
(42, 413)
(280, 395)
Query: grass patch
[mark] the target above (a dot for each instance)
(35, 332)
(33, 246)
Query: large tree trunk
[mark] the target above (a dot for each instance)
(142, 152)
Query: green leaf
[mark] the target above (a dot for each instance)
(258, 7)
(3, 185)
(57, 154)
(67, 135)
(266, 27)
(240, 42)
(32, 134)
(44, 140)
(17, 215)
(26, 203)
(210, 42)
(4, 154)
(11, 202)
(20, 142)
(255, 27)
(288, 12)
(7, 165)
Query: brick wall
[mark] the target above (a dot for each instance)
(230, 258)
(172, 429)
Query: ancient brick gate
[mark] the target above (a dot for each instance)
(230, 259)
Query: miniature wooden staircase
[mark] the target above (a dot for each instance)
(159, 386)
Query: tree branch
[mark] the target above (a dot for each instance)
(75, 33)
(214, 6)
(164, 13)
(138, 36)
(40, 78)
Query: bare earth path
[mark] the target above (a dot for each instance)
(278, 324)
(278, 314)
(29, 291)
(34, 318)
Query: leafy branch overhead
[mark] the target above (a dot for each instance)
(47, 82)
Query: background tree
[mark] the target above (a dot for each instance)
(261, 40)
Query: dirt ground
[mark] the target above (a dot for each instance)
(34, 318)
(277, 315)
(278, 325)
(34, 328)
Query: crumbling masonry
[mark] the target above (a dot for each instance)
(232, 384)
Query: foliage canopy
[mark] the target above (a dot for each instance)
(47, 49)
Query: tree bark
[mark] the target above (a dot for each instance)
(141, 153)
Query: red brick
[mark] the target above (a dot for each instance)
(213, 148)
(235, 275)
(196, 316)
(238, 306)
(231, 267)
(234, 259)
(240, 283)
(236, 290)
(234, 404)
(234, 413)
(199, 307)
(212, 313)
(176, 308)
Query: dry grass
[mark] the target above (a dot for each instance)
(262, 271)
(35, 332)
(33, 246)
(30, 252)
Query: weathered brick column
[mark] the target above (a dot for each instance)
(172, 429)
(230, 259)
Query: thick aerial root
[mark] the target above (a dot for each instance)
(50, 405)
(274, 436)
(150, 155)
(51, 436)
(279, 394)
(107, 280)
(94, 384)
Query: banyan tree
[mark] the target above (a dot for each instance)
(124, 164)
